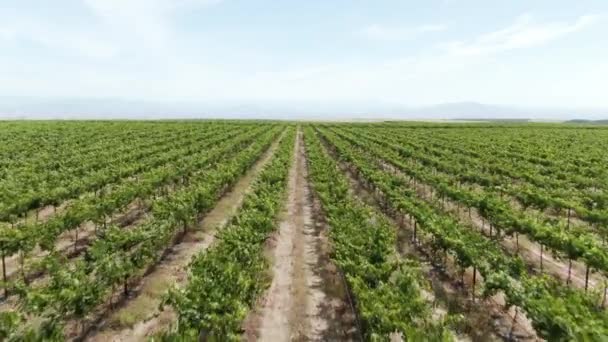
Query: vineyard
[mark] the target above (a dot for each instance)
(274, 231)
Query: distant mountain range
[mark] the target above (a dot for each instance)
(112, 108)
(595, 122)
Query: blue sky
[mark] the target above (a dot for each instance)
(413, 53)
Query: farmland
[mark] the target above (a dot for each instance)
(272, 231)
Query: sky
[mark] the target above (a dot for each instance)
(336, 54)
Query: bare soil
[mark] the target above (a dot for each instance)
(306, 300)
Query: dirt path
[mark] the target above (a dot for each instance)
(306, 299)
(140, 316)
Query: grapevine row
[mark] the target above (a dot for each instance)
(123, 255)
(226, 279)
(557, 312)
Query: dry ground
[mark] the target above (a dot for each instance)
(306, 299)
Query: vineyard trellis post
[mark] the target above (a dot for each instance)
(513, 323)
(76, 239)
(587, 268)
(22, 265)
(474, 281)
(604, 294)
(541, 257)
(569, 271)
(4, 272)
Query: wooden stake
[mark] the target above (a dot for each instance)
(76, 240)
(587, 278)
(541, 258)
(569, 270)
(474, 281)
(4, 274)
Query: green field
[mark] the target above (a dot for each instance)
(230, 230)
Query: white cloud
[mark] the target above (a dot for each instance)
(379, 32)
(144, 19)
(81, 43)
(118, 26)
(525, 32)
(7, 33)
(148, 20)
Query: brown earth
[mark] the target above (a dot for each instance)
(306, 300)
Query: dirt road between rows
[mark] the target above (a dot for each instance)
(306, 299)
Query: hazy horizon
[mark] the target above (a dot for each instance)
(260, 59)
(114, 108)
